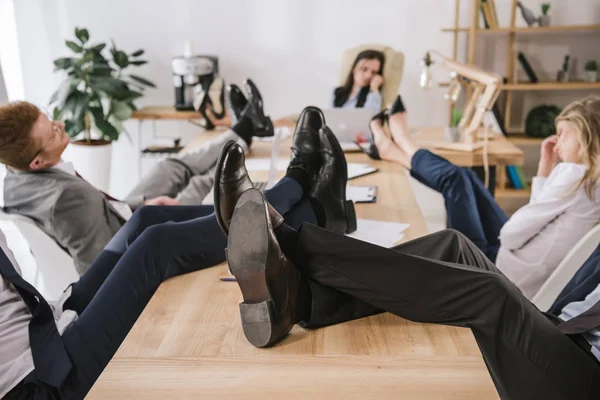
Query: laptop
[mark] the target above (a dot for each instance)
(349, 125)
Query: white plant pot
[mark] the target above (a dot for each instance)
(92, 162)
(590, 76)
(544, 20)
(452, 134)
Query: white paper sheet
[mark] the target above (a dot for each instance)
(384, 234)
(264, 164)
(355, 170)
(361, 194)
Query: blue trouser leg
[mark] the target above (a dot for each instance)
(470, 207)
(283, 197)
(160, 252)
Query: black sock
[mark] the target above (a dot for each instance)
(301, 176)
(245, 129)
(287, 238)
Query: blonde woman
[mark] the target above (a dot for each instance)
(564, 198)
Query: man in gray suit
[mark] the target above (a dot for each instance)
(82, 219)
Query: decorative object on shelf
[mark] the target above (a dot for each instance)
(544, 19)
(426, 79)
(94, 99)
(527, 67)
(590, 72)
(527, 14)
(563, 75)
(486, 88)
(540, 121)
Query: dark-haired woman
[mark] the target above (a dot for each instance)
(362, 87)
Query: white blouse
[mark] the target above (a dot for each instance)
(539, 235)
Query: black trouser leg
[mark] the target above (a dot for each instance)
(443, 278)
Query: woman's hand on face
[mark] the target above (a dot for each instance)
(376, 83)
(548, 156)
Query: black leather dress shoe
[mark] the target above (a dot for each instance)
(306, 147)
(370, 148)
(235, 102)
(254, 110)
(330, 188)
(231, 180)
(272, 287)
(397, 106)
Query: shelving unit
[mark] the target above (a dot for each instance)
(512, 31)
(528, 86)
(532, 30)
(520, 139)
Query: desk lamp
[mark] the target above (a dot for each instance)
(486, 88)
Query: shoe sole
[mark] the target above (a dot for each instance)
(229, 105)
(217, 198)
(248, 255)
(215, 95)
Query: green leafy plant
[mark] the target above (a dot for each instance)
(540, 121)
(97, 91)
(591, 65)
(545, 8)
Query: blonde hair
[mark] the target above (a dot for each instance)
(584, 114)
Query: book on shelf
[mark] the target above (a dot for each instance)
(483, 19)
(494, 12)
(521, 176)
(516, 177)
(527, 67)
(488, 10)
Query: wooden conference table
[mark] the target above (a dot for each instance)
(188, 343)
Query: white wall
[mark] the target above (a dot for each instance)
(10, 60)
(291, 48)
(3, 93)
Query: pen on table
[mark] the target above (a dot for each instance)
(226, 279)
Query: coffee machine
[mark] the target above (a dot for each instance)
(191, 73)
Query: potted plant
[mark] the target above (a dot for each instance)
(544, 19)
(94, 99)
(591, 71)
(540, 121)
(452, 132)
(563, 75)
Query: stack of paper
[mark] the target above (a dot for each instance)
(385, 234)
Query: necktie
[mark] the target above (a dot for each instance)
(582, 323)
(50, 358)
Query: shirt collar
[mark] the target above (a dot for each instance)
(66, 167)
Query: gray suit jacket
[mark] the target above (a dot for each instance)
(71, 211)
(78, 217)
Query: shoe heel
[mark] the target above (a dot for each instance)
(350, 217)
(257, 322)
